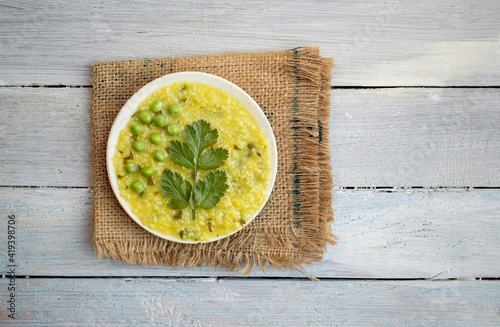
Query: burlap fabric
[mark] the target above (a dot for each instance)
(293, 88)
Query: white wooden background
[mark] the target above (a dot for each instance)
(415, 133)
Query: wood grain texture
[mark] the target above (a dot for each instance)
(379, 43)
(383, 137)
(45, 139)
(425, 234)
(416, 137)
(228, 302)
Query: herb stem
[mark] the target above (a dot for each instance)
(191, 198)
(191, 154)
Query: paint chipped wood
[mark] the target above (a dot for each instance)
(378, 43)
(417, 234)
(381, 137)
(253, 302)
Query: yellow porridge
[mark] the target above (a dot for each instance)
(193, 163)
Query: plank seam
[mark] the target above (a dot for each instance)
(347, 87)
(333, 87)
(216, 278)
(49, 186)
(57, 86)
(339, 188)
(425, 188)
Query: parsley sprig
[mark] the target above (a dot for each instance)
(196, 153)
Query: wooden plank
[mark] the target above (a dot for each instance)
(425, 234)
(380, 43)
(45, 139)
(416, 137)
(383, 137)
(250, 302)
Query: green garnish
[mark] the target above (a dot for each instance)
(136, 129)
(208, 193)
(174, 109)
(193, 154)
(131, 168)
(160, 120)
(177, 189)
(157, 105)
(159, 156)
(173, 129)
(139, 146)
(156, 138)
(145, 117)
(138, 186)
(147, 171)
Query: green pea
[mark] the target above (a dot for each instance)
(173, 129)
(138, 186)
(147, 171)
(159, 156)
(156, 138)
(131, 168)
(139, 146)
(160, 120)
(136, 129)
(174, 109)
(157, 105)
(145, 117)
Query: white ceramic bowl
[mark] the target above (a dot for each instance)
(131, 107)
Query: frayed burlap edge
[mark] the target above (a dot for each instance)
(314, 170)
(312, 74)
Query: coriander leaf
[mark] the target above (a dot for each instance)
(212, 158)
(209, 192)
(181, 154)
(199, 136)
(176, 188)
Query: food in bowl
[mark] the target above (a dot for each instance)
(192, 163)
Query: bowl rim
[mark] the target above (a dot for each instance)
(131, 106)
